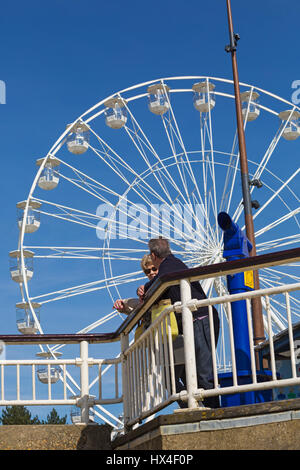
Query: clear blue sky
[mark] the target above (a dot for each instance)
(59, 58)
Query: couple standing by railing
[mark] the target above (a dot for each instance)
(160, 262)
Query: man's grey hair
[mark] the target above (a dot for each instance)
(160, 247)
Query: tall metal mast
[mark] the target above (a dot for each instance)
(257, 318)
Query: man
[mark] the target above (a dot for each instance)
(166, 262)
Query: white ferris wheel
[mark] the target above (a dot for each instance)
(158, 158)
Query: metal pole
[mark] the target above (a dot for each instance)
(189, 345)
(258, 326)
(125, 379)
(84, 382)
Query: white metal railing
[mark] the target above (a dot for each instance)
(147, 366)
(36, 396)
(20, 399)
(149, 371)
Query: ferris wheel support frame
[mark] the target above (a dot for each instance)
(85, 116)
(257, 317)
(141, 186)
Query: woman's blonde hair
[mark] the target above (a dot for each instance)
(146, 260)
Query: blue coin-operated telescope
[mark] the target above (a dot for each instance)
(237, 246)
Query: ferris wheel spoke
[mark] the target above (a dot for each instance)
(110, 161)
(110, 157)
(87, 187)
(213, 177)
(277, 222)
(282, 183)
(276, 193)
(209, 229)
(104, 410)
(78, 388)
(280, 198)
(223, 354)
(278, 243)
(203, 152)
(108, 272)
(279, 307)
(150, 188)
(163, 168)
(170, 134)
(272, 147)
(296, 305)
(101, 321)
(89, 287)
(208, 156)
(264, 161)
(230, 177)
(186, 163)
(87, 253)
(79, 217)
(76, 220)
(138, 177)
(276, 317)
(166, 175)
(279, 314)
(279, 274)
(262, 166)
(92, 182)
(113, 206)
(139, 138)
(189, 232)
(181, 226)
(233, 167)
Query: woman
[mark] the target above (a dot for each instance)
(127, 305)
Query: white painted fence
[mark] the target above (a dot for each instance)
(147, 365)
(28, 368)
(148, 374)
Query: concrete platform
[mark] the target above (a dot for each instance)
(264, 426)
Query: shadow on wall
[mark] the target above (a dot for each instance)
(95, 437)
(55, 437)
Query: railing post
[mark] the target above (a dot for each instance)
(189, 345)
(84, 382)
(125, 378)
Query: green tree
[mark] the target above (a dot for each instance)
(53, 418)
(17, 414)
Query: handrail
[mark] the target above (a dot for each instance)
(53, 338)
(156, 290)
(205, 272)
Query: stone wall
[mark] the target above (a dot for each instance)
(264, 426)
(55, 437)
(268, 426)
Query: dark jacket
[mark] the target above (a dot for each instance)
(169, 265)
